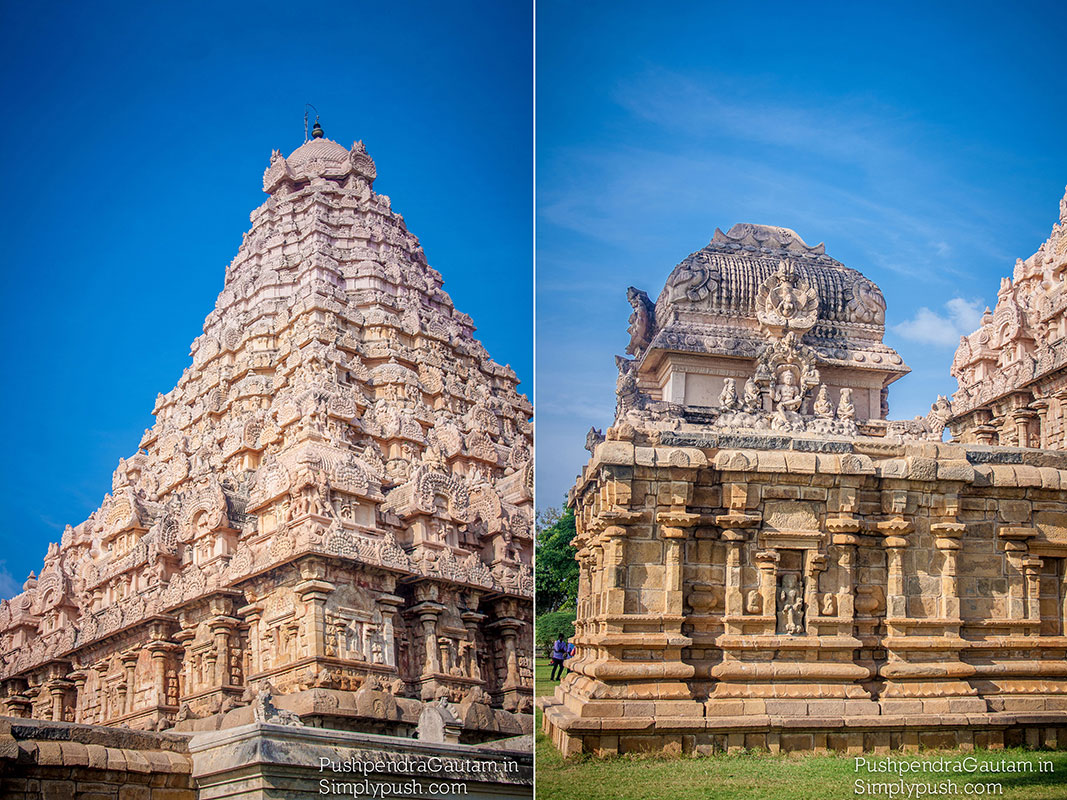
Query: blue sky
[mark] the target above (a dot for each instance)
(924, 143)
(135, 139)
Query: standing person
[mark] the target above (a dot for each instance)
(559, 653)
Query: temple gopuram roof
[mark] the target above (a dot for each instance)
(720, 300)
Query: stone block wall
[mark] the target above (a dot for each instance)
(50, 760)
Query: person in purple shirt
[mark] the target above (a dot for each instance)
(559, 653)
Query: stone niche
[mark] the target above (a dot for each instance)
(781, 566)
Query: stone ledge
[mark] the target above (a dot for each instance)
(47, 733)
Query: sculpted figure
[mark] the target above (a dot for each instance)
(790, 605)
(754, 602)
(866, 303)
(786, 393)
(845, 409)
(786, 302)
(593, 438)
(824, 408)
(788, 398)
(728, 397)
(640, 329)
(751, 401)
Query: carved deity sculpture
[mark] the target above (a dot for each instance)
(728, 399)
(751, 400)
(788, 398)
(824, 408)
(754, 602)
(845, 409)
(786, 302)
(790, 605)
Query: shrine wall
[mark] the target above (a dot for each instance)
(744, 590)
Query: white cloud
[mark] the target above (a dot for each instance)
(961, 317)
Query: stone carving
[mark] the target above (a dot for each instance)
(339, 443)
(786, 302)
(788, 398)
(694, 280)
(265, 711)
(728, 399)
(593, 438)
(823, 408)
(751, 400)
(866, 303)
(640, 320)
(790, 605)
(930, 427)
(845, 409)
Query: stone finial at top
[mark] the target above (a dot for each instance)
(771, 237)
(1063, 207)
(318, 158)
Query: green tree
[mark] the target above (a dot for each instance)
(556, 571)
(549, 626)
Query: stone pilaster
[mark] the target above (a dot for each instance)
(947, 540)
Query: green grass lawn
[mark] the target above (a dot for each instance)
(542, 685)
(761, 776)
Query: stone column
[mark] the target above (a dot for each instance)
(816, 563)
(734, 524)
(79, 677)
(1032, 569)
(129, 663)
(1040, 407)
(253, 615)
(314, 593)
(735, 603)
(102, 710)
(614, 587)
(390, 605)
(509, 628)
(896, 532)
(846, 543)
(471, 621)
(767, 562)
(58, 690)
(1015, 549)
(947, 540)
(427, 612)
(221, 628)
(596, 596)
(674, 526)
(185, 638)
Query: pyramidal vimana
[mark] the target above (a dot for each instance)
(333, 505)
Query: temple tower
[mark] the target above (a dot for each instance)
(333, 506)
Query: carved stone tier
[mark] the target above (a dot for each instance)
(1012, 371)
